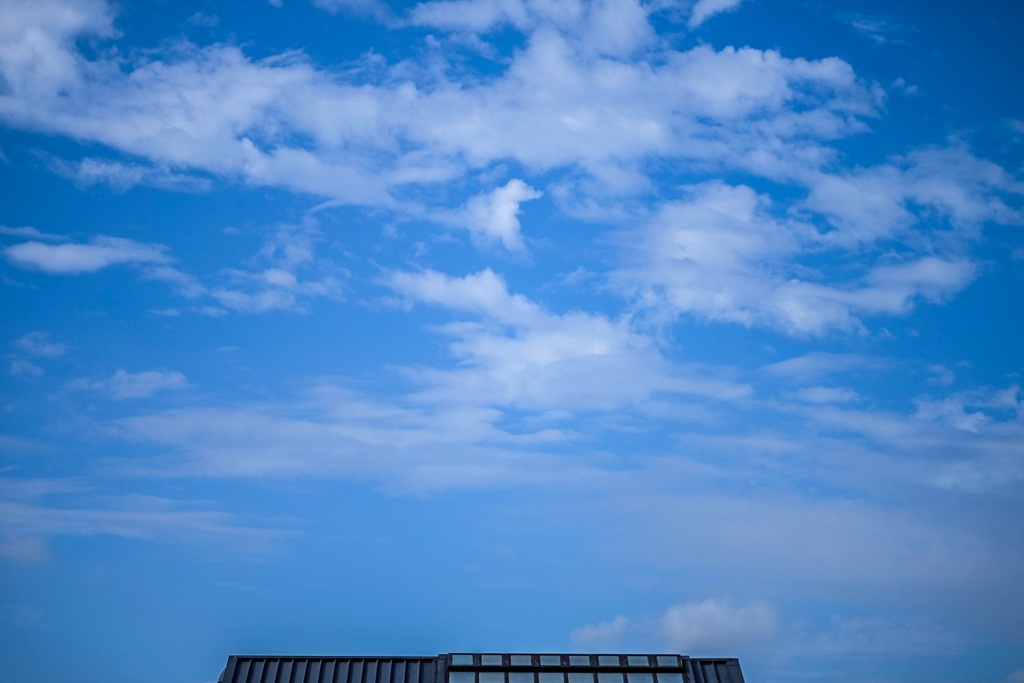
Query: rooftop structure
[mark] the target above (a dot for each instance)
(467, 667)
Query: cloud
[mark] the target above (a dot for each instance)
(34, 345)
(20, 367)
(373, 129)
(75, 259)
(827, 395)
(30, 233)
(721, 254)
(717, 625)
(285, 274)
(38, 344)
(881, 30)
(517, 354)
(494, 216)
(607, 633)
(954, 410)
(26, 526)
(470, 16)
(204, 20)
(121, 177)
(126, 385)
(402, 446)
(816, 365)
(706, 625)
(23, 549)
(871, 636)
(877, 203)
(705, 9)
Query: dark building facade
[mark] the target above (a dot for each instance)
(464, 667)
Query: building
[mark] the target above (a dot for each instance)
(467, 667)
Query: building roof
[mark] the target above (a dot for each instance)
(465, 667)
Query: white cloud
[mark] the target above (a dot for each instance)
(204, 20)
(717, 625)
(517, 354)
(701, 626)
(955, 410)
(705, 9)
(468, 15)
(721, 254)
(38, 344)
(373, 9)
(26, 526)
(817, 365)
(23, 549)
(75, 259)
(126, 385)
(881, 30)
(121, 176)
(827, 395)
(285, 275)
(20, 368)
(403, 448)
(494, 216)
(30, 233)
(872, 636)
(558, 104)
(875, 203)
(603, 634)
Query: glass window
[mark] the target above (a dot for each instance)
(462, 660)
(668, 660)
(550, 677)
(670, 678)
(608, 677)
(579, 660)
(635, 677)
(580, 677)
(608, 660)
(490, 660)
(492, 677)
(522, 660)
(550, 660)
(637, 660)
(520, 677)
(461, 677)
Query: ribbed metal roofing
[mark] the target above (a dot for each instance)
(483, 668)
(258, 669)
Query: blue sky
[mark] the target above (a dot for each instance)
(356, 327)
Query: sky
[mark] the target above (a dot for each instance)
(361, 327)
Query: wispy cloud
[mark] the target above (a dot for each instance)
(127, 385)
(493, 217)
(76, 258)
(27, 526)
(39, 344)
(705, 9)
